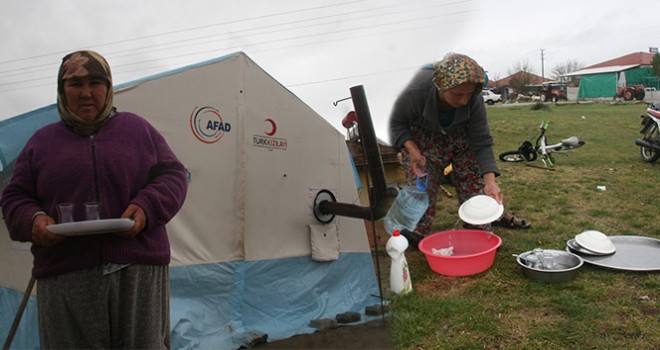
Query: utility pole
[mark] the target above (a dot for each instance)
(542, 68)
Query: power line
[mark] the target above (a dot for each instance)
(161, 47)
(50, 65)
(323, 17)
(298, 37)
(186, 30)
(390, 71)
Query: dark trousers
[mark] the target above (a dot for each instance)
(87, 309)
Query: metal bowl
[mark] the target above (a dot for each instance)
(565, 267)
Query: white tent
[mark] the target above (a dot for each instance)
(242, 257)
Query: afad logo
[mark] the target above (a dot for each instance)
(269, 140)
(207, 125)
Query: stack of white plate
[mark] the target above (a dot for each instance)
(592, 243)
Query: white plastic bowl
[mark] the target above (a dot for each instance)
(595, 241)
(480, 210)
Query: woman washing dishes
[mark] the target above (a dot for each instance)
(440, 119)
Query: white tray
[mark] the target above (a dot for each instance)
(633, 253)
(91, 227)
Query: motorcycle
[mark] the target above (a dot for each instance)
(650, 143)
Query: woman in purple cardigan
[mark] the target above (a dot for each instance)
(101, 290)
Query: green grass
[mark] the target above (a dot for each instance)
(500, 308)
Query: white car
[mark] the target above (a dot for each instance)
(490, 97)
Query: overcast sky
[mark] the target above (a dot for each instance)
(318, 49)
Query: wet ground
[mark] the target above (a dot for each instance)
(370, 335)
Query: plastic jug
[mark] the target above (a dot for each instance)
(400, 281)
(408, 207)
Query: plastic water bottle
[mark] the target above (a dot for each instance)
(408, 207)
(400, 281)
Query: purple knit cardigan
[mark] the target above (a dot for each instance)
(127, 161)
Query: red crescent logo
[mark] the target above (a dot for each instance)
(273, 127)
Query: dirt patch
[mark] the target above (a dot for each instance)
(443, 286)
(370, 335)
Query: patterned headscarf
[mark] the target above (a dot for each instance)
(80, 64)
(455, 69)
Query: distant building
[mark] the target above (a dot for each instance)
(533, 79)
(505, 87)
(604, 78)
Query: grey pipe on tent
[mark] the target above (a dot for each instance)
(381, 197)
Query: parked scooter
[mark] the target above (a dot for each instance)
(650, 142)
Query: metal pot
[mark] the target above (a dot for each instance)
(564, 266)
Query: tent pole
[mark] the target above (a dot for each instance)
(19, 314)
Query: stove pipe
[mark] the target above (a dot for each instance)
(380, 197)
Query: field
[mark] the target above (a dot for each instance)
(501, 309)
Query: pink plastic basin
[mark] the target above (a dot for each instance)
(474, 251)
